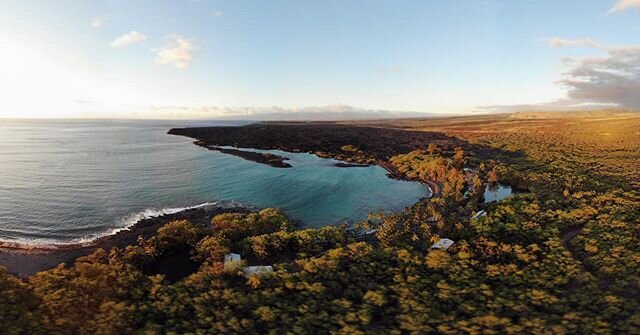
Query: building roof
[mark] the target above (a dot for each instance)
(443, 243)
(368, 232)
(479, 215)
(257, 270)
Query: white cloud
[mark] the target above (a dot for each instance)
(612, 80)
(128, 39)
(216, 13)
(623, 5)
(557, 42)
(179, 52)
(97, 22)
(320, 113)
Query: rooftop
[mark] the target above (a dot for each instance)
(443, 243)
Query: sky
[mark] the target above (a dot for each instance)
(206, 58)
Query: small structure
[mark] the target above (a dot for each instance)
(369, 232)
(231, 260)
(228, 258)
(478, 215)
(366, 235)
(442, 244)
(432, 219)
(257, 270)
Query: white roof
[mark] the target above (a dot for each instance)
(257, 270)
(368, 232)
(479, 215)
(443, 243)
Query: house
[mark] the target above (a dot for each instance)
(442, 244)
(231, 261)
(257, 270)
(479, 215)
(366, 235)
(369, 232)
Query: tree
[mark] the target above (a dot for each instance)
(177, 233)
(458, 158)
(18, 306)
(433, 149)
(212, 248)
(492, 175)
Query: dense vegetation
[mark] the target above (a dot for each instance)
(560, 257)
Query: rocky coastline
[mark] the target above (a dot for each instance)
(373, 145)
(348, 165)
(25, 259)
(258, 157)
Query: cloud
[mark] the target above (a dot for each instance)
(623, 5)
(612, 79)
(97, 22)
(179, 52)
(274, 113)
(128, 39)
(216, 13)
(557, 42)
(609, 81)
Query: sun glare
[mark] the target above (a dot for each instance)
(34, 85)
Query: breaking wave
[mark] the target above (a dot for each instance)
(125, 223)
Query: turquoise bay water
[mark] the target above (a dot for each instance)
(70, 181)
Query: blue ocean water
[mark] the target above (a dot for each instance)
(75, 180)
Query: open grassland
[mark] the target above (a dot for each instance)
(599, 143)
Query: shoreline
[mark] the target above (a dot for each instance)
(434, 187)
(350, 165)
(325, 140)
(257, 157)
(25, 260)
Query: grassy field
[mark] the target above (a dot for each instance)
(605, 143)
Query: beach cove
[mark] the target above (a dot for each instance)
(99, 178)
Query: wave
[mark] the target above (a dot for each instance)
(126, 223)
(130, 220)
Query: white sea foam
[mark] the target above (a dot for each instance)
(131, 220)
(126, 223)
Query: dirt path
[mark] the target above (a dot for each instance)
(569, 235)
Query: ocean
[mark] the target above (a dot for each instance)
(70, 181)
